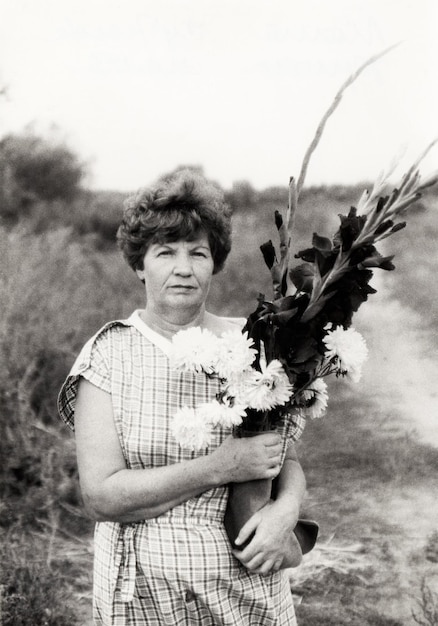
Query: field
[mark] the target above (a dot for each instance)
(371, 462)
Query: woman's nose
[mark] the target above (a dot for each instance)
(183, 264)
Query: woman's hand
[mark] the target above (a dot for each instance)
(249, 458)
(272, 542)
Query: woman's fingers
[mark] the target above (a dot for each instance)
(247, 530)
(273, 453)
(277, 565)
(271, 448)
(259, 564)
(273, 472)
(270, 439)
(255, 562)
(268, 567)
(251, 458)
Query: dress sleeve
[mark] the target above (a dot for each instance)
(92, 364)
(294, 427)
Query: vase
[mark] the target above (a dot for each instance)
(244, 500)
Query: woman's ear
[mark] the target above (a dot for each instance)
(140, 274)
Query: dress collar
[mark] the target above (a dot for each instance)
(161, 342)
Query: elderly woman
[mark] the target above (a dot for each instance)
(162, 555)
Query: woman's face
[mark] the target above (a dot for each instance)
(177, 275)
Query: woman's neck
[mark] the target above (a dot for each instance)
(170, 324)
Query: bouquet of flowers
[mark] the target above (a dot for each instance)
(274, 370)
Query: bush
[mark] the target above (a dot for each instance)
(242, 196)
(36, 169)
(54, 294)
(98, 214)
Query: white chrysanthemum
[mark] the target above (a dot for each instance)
(348, 350)
(238, 385)
(268, 388)
(226, 413)
(195, 350)
(235, 354)
(315, 398)
(191, 429)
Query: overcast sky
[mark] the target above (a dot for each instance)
(138, 87)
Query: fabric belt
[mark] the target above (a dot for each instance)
(126, 562)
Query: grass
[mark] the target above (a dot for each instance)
(57, 288)
(43, 583)
(395, 458)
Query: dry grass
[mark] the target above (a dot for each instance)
(47, 578)
(426, 614)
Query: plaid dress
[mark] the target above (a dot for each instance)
(175, 569)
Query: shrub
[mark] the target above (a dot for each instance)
(48, 170)
(33, 592)
(242, 196)
(54, 294)
(34, 169)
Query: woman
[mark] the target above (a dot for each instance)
(161, 552)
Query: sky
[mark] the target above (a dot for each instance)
(139, 87)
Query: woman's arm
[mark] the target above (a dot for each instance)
(111, 492)
(273, 525)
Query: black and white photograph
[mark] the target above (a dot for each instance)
(219, 313)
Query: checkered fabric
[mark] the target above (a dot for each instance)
(176, 569)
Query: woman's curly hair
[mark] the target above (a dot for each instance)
(179, 206)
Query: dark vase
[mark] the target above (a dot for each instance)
(244, 500)
(247, 498)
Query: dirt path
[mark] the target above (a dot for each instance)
(402, 369)
(402, 374)
(392, 545)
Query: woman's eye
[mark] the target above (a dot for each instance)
(199, 253)
(165, 253)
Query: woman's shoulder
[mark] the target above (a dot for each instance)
(92, 362)
(108, 329)
(102, 340)
(218, 324)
